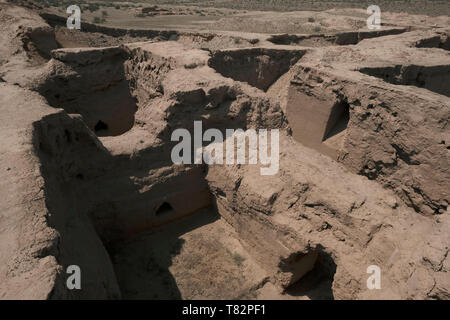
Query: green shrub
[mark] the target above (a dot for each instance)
(238, 259)
(92, 7)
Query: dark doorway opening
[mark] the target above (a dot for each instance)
(338, 121)
(100, 126)
(165, 208)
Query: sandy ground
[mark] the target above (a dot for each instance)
(310, 230)
(199, 257)
(204, 18)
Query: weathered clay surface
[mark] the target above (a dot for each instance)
(88, 180)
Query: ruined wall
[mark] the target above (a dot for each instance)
(382, 141)
(67, 152)
(341, 221)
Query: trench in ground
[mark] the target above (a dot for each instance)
(318, 124)
(259, 67)
(103, 91)
(159, 244)
(438, 41)
(197, 257)
(340, 39)
(107, 111)
(200, 256)
(100, 90)
(188, 253)
(40, 42)
(92, 35)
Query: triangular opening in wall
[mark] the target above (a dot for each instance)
(337, 125)
(165, 208)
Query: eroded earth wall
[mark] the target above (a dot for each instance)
(363, 174)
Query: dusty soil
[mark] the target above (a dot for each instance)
(199, 257)
(87, 177)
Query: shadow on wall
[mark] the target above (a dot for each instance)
(318, 122)
(143, 273)
(38, 44)
(95, 203)
(62, 153)
(259, 67)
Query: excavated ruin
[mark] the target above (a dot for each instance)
(363, 176)
(438, 41)
(433, 78)
(340, 39)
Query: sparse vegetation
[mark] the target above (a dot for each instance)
(429, 7)
(98, 20)
(237, 258)
(92, 7)
(143, 247)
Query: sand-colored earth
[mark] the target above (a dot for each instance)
(87, 177)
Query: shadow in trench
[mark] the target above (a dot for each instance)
(259, 67)
(142, 264)
(434, 78)
(338, 122)
(316, 284)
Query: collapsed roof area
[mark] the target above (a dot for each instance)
(87, 177)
